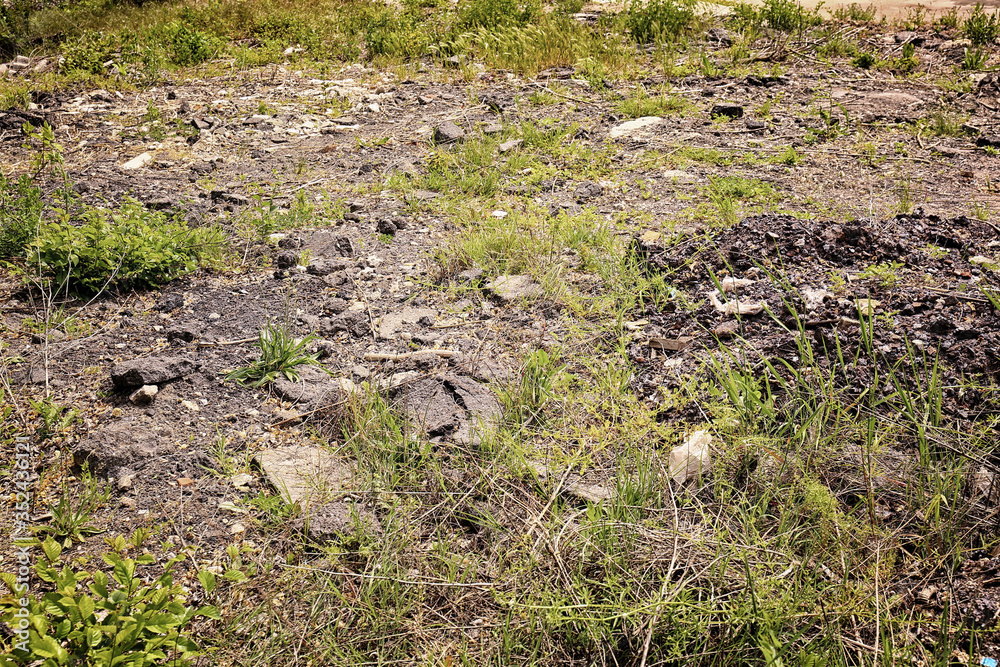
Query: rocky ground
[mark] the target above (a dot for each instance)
(865, 219)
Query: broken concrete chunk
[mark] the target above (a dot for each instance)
(508, 146)
(730, 284)
(138, 162)
(691, 459)
(449, 407)
(515, 288)
(634, 129)
(336, 520)
(118, 447)
(814, 298)
(315, 388)
(151, 370)
(448, 133)
(304, 474)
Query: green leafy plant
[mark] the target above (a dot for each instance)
(20, 215)
(864, 61)
(855, 12)
(90, 618)
(885, 273)
(492, 14)
(659, 20)
(130, 247)
(975, 59)
(981, 28)
(189, 46)
(280, 354)
(55, 418)
(71, 518)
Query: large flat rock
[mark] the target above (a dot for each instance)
(303, 474)
(450, 407)
(151, 370)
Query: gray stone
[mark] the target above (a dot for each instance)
(336, 520)
(482, 368)
(679, 176)
(386, 226)
(449, 407)
(144, 395)
(286, 260)
(315, 388)
(183, 332)
(393, 322)
(354, 322)
(469, 277)
(119, 447)
(151, 370)
(588, 190)
(324, 267)
(731, 111)
(304, 474)
(515, 288)
(508, 146)
(256, 119)
(221, 196)
(448, 133)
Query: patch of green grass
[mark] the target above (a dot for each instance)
(855, 12)
(660, 20)
(280, 354)
(643, 104)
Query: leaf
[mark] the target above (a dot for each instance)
(86, 606)
(210, 611)
(207, 580)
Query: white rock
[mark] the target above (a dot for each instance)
(814, 298)
(735, 307)
(691, 459)
(640, 127)
(144, 395)
(138, 162)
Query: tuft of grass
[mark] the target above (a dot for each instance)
(643, 104)
(280, 354)
(980, 27)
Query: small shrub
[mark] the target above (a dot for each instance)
(981, 28)
(126, 248)
(93, 619)
(393, 34)
(788, 16)
(189, 47)
(948, 20)
(15, 18)
(89, 52)
(855, 12)
(659, 20)
(20, 215)
(865, 61)
(492, 14)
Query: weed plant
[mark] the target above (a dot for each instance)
(280, 354)
(980, 27)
